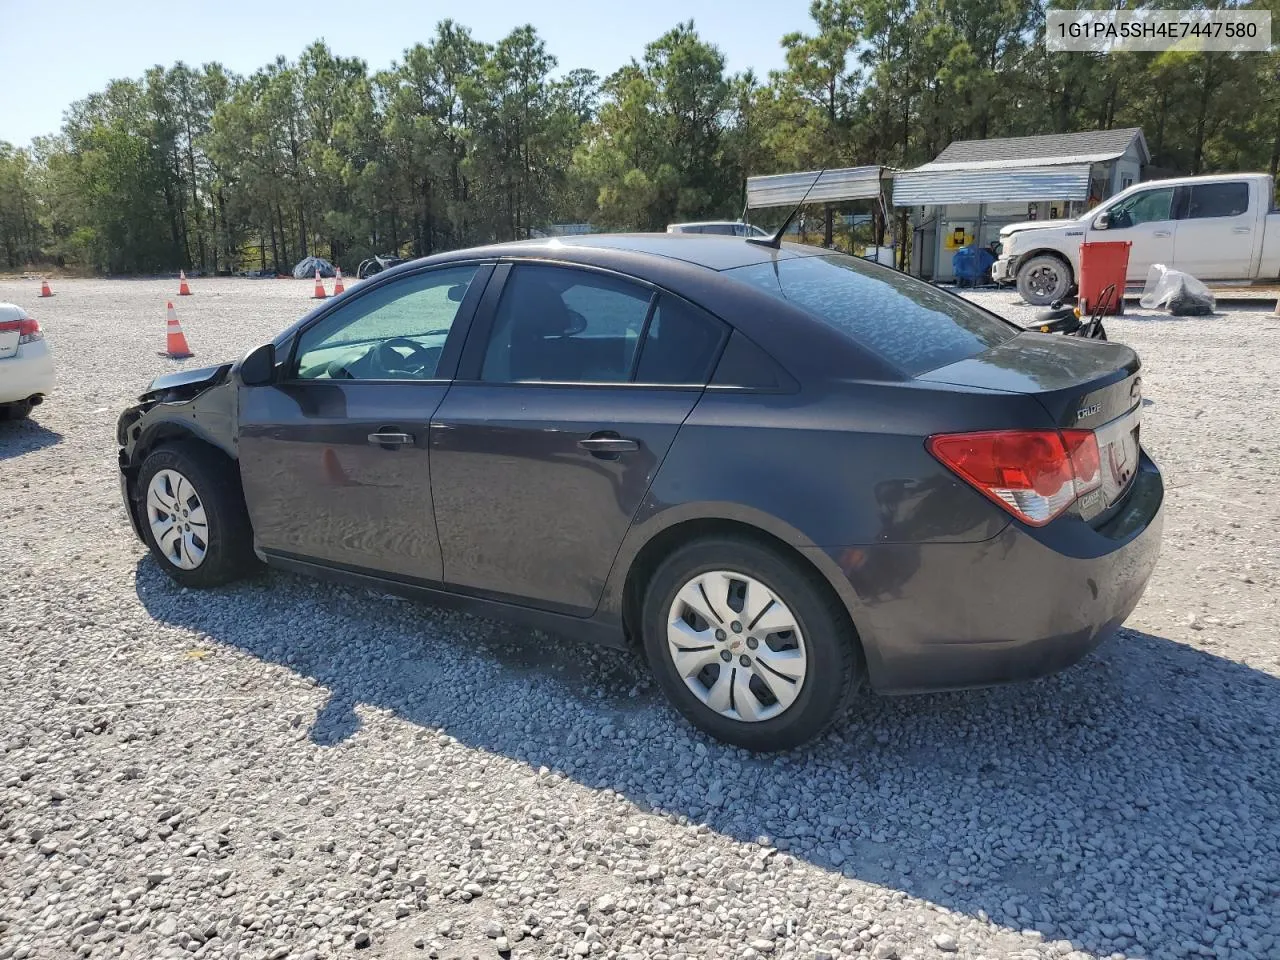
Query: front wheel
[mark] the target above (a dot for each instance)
(1043, 279)
(193, 515)
(747, 645)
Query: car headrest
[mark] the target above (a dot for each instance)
(542, 312)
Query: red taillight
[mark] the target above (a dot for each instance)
(1034, 474)
(28, 329)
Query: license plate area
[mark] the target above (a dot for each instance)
(1119, 450)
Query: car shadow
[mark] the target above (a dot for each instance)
(24, 436)
(1002, 804)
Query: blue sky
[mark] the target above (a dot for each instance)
(47, 59)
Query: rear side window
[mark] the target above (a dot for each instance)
(1218, 200)
(565, 325)
(911, 324)
(681, 344)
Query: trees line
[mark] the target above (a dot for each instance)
(461, 142)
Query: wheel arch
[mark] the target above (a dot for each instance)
(1047, 252)
(168, 430)
(625, 592)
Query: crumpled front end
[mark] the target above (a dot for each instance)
(198, 404)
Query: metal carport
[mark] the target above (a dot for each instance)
(787, 189)
(957, 183)
(826, 187)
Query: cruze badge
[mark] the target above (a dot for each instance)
(1088, 411)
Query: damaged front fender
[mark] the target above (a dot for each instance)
(185, 384)
(191, 404)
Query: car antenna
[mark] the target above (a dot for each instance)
(776, 240)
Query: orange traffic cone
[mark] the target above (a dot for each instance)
(319, 294)
(183, 289)
(337, 283)
(44, 289)
(333, 471)
(176, 345)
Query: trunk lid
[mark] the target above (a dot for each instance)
(1082, 384)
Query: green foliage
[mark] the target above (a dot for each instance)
(461, 142)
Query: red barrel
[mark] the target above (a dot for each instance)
(1101, 265)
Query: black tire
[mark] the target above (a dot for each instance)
(1048, 266)
(830, 639)
(229, 553)
(16, 411)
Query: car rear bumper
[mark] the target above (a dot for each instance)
(27, 373)
(1021, 605)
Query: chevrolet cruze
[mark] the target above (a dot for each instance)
(778, 471)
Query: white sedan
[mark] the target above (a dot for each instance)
(26, 363)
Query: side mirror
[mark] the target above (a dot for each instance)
(1102, 221)
(258, 368)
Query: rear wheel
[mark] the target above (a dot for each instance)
(193, 515)
(747, 645)
(1043, 279)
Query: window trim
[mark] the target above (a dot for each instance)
(471, 362)
(644, 336)
(453, 345)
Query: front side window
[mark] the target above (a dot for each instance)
(565, 325)
(909, 323)
(395, 332)
(1218, 200)
(1150, 206)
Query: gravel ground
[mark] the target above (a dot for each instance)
(285, 769)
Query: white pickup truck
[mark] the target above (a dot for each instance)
(1219, 228)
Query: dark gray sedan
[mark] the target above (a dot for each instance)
(778, 471)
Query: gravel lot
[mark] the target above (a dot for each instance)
(285, 769)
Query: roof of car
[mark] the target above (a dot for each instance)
(715, 252)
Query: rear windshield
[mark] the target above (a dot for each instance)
(911, 324)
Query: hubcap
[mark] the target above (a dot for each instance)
(1043, 280)
(736, 645)
(177, 519)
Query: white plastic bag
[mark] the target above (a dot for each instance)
(1179, 293)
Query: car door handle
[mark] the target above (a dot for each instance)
(608, 444)
(1160, 233)
(1242, 230)
(390, 438)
